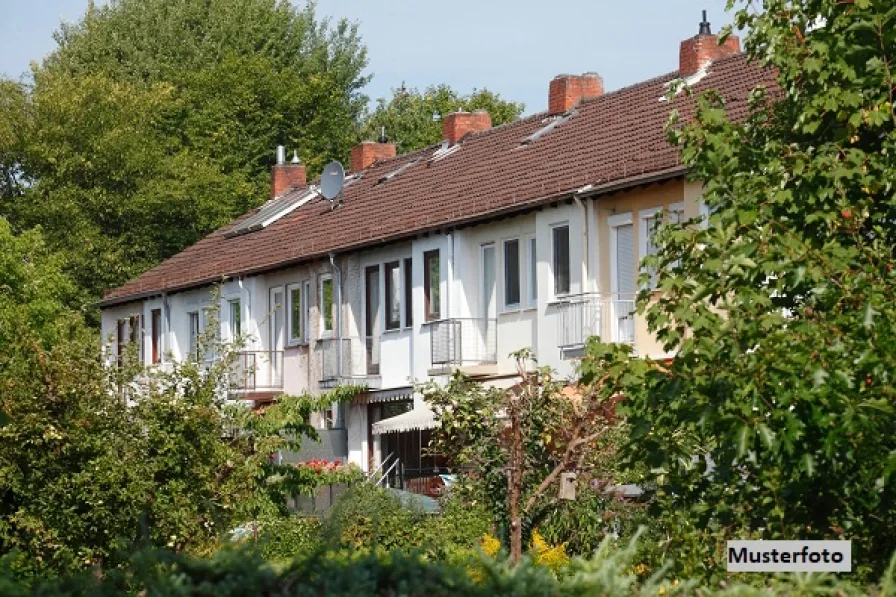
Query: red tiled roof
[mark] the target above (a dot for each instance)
(610, 139)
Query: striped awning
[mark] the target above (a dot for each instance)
(421, 417)
(390, 395)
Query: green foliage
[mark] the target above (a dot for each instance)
(85, 476)
(408, 115)
(781, 309)
(155, 112)
(245, 572)
(560, 431)
(369, 517)
(285, 538)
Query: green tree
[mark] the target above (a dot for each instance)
(776, 418)
(84, 473)
(13, 132)
(517, 443)
(154, 123)
(408, 116)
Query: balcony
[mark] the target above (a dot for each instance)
(460, 343)
(257, 371)
(609, 316)
(359, 362)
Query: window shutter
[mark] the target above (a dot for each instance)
(626, 281)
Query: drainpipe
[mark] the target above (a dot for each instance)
(339, 423)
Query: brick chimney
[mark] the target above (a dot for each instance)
(457, 125)
(367, 152)
(703, 48)
(568, 90)
(284, 176)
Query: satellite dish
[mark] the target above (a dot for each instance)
(331, 180)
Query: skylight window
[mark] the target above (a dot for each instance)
(688, 81)
(443, 152)
(554, 123)
(273, 211)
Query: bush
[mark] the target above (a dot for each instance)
(366, 516)
(288, 538)
(245, 572)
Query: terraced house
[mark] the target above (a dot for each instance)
(451, 257)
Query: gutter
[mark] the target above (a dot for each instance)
(596, 190)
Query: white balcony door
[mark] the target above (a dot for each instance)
(489, 296)
(277, 309)
(624, 282)
(489, 308)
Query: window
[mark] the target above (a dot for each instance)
(121, 338)
(326, 305)
(194, 334)
(431, 280)
(560, 237)
(650, 222)
(533, 273)
(393, 295)
(236, 319)
(136, 337)
(676, 213)
(512, 273)
(676, 216)
(297, 313)
(156, 326)
(623, 265)
(372, 290)
(277, 319)
(408, 293)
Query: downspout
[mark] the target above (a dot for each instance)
(339, 423)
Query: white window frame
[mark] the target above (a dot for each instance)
(324, 332)
(614, 222)
(303, 314)
(407, 292)
(230, 321)
(531, 271)
(554, 293)
(483, 304)
(193, 343)
(505, 306)
(385, 295)
(645, 217)
(273, 305)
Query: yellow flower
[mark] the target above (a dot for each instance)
(553, 558)
(640, 568)
(490, 545)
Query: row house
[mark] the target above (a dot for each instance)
(526, 235)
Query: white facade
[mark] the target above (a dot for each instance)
(494, 294)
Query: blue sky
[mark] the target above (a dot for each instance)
(513, 47)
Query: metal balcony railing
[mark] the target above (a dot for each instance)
(360, 360)
(609, 316)
(257, 370)
(459, 342)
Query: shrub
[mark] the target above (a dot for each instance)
(245, 572)
(288, 538)
(366, 516)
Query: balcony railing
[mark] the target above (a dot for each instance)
(257, 370)
(463, 342)
(359, 363)
(610, 316)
